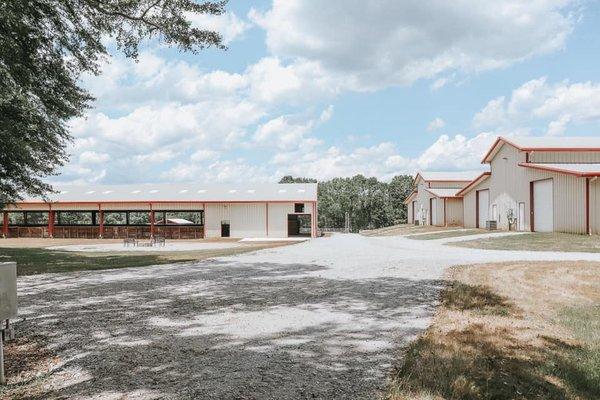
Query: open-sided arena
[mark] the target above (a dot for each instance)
(167, 210)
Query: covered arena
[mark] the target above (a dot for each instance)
(172, 211)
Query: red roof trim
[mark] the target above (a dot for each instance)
(474, 182)
(560, 170)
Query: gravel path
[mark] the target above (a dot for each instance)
(322, 319)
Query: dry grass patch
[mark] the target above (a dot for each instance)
(537, 242)
(406, 229)
(449, 234)
(509, 331)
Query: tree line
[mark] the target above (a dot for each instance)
(368, 202)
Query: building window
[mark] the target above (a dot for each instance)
(299, 208)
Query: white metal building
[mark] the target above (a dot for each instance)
(241, 210)
(546, 184)
(434, 200)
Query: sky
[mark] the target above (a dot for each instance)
(343, 87)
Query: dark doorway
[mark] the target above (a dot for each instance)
(225, 229)
(299, 225)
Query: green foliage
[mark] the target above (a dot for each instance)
(369, 202)
(291, 179)
(45, 47)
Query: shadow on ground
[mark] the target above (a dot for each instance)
(224, 330)
(486, 360)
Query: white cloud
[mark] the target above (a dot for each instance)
(540, 102)
(228, 25)
(436, 124)
(455, 153)
(204, 155)
(392, 42)
(92, 157)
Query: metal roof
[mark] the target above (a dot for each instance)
(545, 143)
(474, 183)
(246, 192)
(581, 170)
(556, 142)
(443, 192)
(445, 176)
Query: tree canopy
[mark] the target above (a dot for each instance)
(369, 202)
(45, 47)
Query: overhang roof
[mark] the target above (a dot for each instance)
(410, 197)
(474, 183)
(443, 193)
(544, 143)
(580, 170)
(447, 176)
(137, 193)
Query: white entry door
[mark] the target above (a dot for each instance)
(433, 212)
(521, 221)
(484, 207)
(543, 206)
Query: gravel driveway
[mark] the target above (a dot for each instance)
(322, 319)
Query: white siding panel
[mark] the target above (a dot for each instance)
(565, 157)
(454, 212)
(27, 207)
(510, 185)
(543, 197)
(483, 198)
(595, 206)
(278, 213)
(178, 206)
(248, 220)
(214, 214)
(470, 204)
(116, 206)
(448, 185)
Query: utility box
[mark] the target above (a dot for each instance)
(8, 290)
(491, 225)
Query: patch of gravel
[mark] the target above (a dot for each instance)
(324, 319)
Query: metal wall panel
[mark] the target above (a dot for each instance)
(122, 206)
(595, 206)
(248, 220)
(509, 185)
(565, 156)
(448, 185)
(27, 207)
(214, 214)
(178, 206)
(454, 212)
(470, 204)
(278, 213)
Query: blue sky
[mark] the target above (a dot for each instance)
(343, 87)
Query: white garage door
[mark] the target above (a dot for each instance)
(433, 212)
(543, 206)
(484, 207)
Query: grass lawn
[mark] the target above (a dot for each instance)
(405, 229)
(509, 331)
(31, 261)
(449, 234)
(538, 242)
